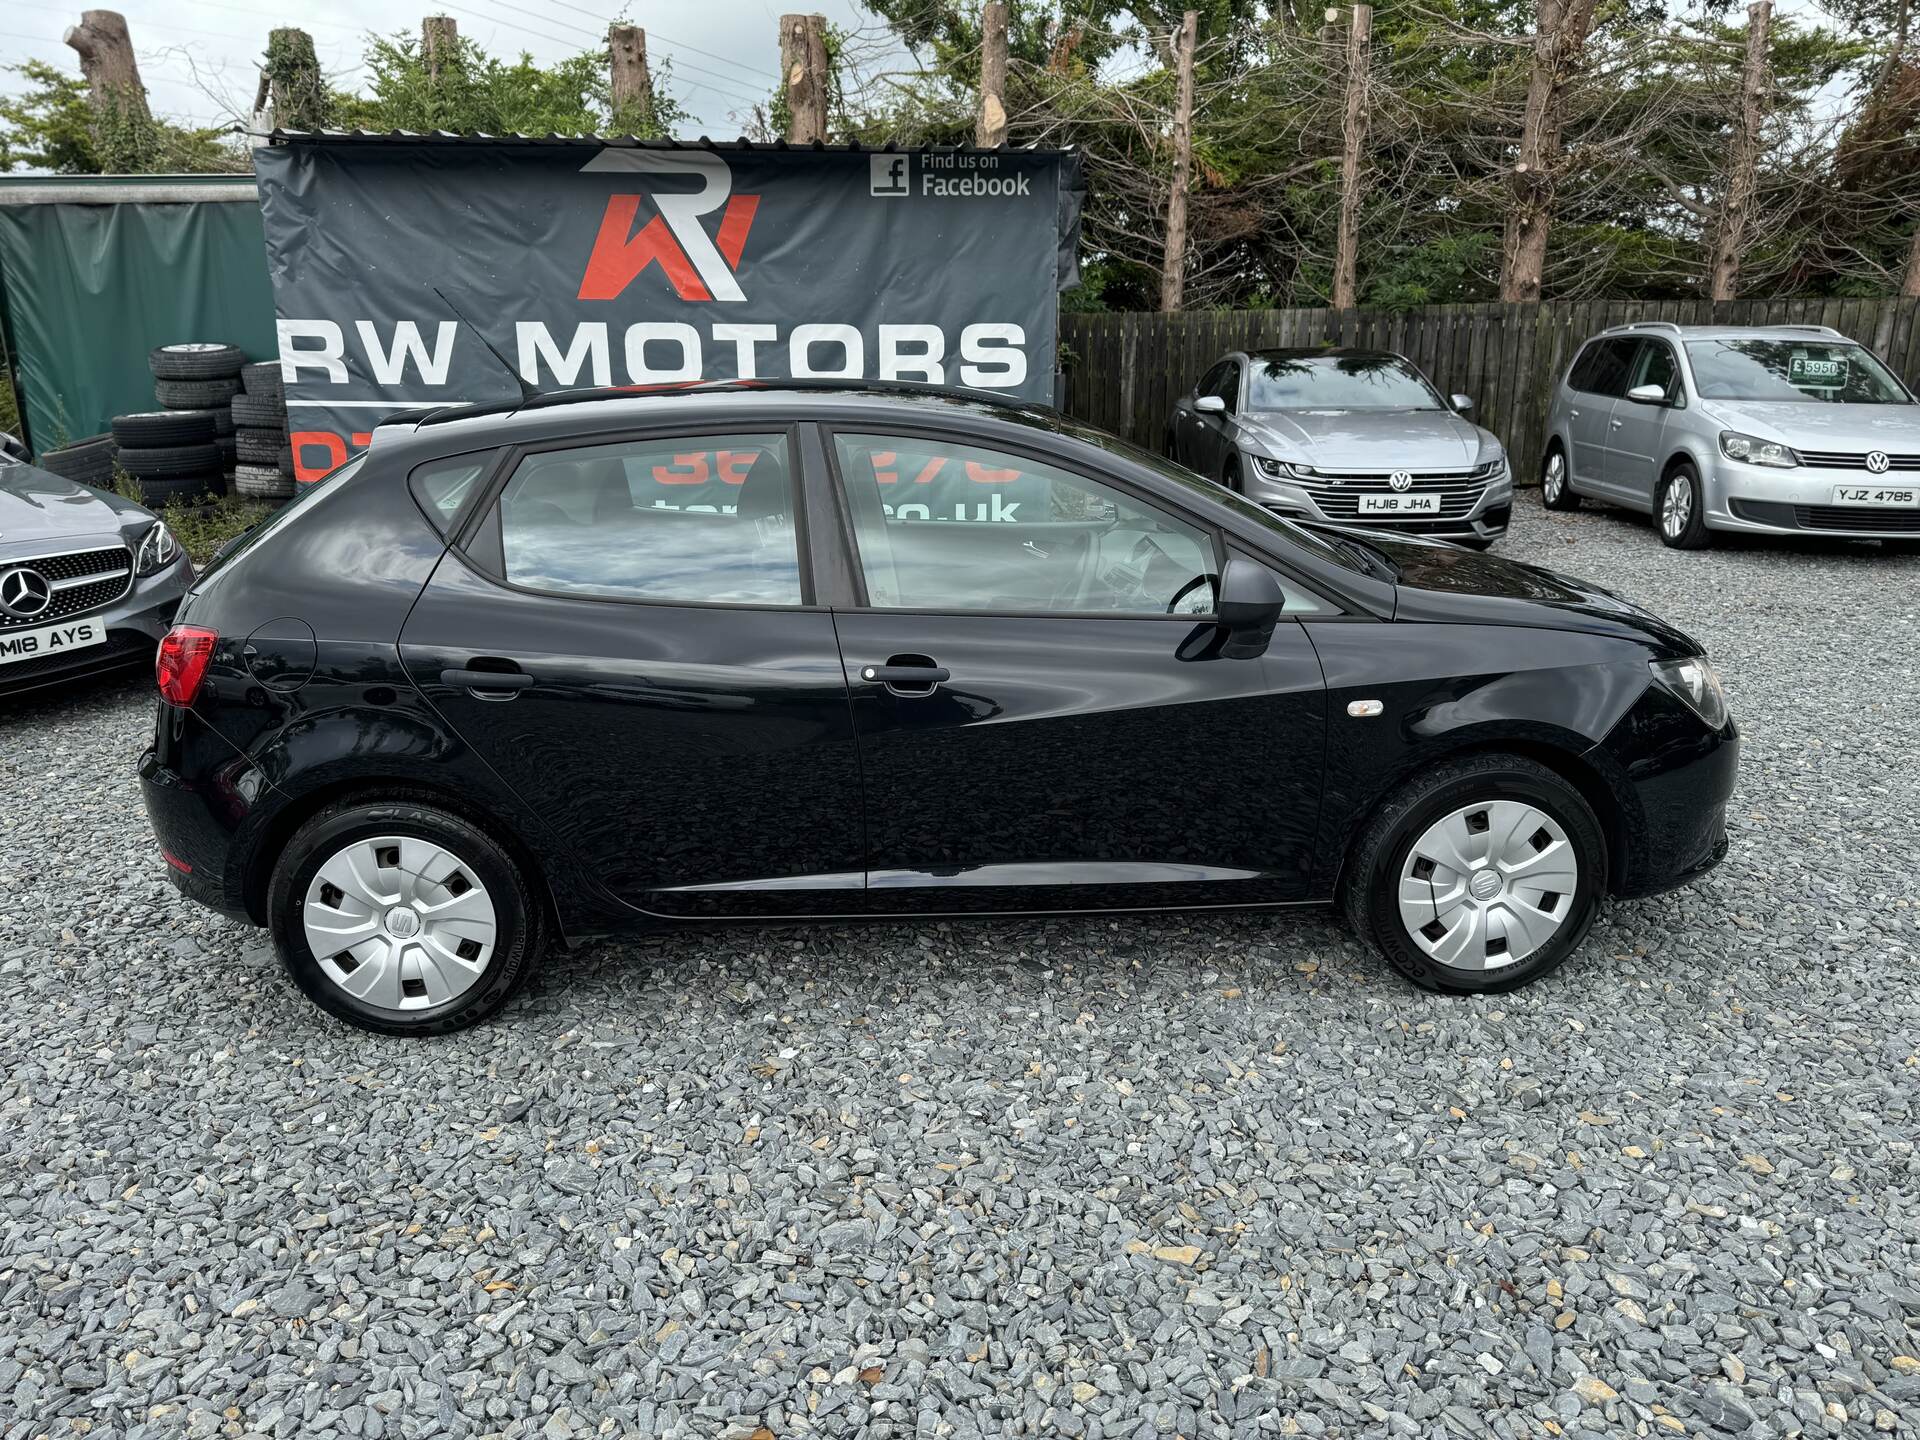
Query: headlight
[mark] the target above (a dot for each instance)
(1754, 451)
(1695, 682)
(1284, 469)
(156, 551)
(1491, 470)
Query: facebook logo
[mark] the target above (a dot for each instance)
(888, 175)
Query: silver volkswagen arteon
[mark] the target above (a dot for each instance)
(1782, 430)
(1345, 437)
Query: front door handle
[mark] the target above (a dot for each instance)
(920, 678)
(1574, 413)
(1613, 424)
(489, 684)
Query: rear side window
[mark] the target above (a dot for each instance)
(1603, 367)
(697, 520)
(443, 486)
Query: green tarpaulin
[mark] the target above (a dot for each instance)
(97, 270)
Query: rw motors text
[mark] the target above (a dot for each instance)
(988, 355)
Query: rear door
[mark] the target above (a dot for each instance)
(1046, 719)
(627, 636)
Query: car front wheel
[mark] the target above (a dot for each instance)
(403, 918)
(1681, 516)
(1481, 875)
(1555, 492)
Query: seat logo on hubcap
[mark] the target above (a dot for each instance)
(1484, 885)
(403, 923)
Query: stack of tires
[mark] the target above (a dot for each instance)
(265, 471)
(88, 461)
(171, 455)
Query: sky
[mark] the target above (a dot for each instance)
(200, 57)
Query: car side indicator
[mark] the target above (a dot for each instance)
(1364, 709)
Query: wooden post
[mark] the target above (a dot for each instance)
(991, 128)
(632, 91)
(439, 43)
(1736, 210)
(1910, 282)
(1353, 139)
(107, 60)
(1558, 42)
(1173, 265)
(803, 63)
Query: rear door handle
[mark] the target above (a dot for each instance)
(1574, 413)
(1613, 424)
(485, 680)
(906, 675)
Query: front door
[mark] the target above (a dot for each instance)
(1636, 433)
(628, 643)
(1045, 716)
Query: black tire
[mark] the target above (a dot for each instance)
(195, 360)
(1370, 886)
(520, 918)
(88, 461)
(1691, 533)
(195, 394)
(152, 428)
(260, 413)
(157, 491)
(169, 460)
(261, 482)
(223, 426)
(264, 447)
(1556, 484)
(1230, 476)
(264, 380)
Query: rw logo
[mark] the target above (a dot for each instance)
(698, 266)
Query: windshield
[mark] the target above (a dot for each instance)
(1792, 370)
(1307, 540)
(1338, 382)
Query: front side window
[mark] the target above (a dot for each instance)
(949, 525)
(1227, 386)
(1655, 366)
(1338, 382)
(699, 520)
(1792, 370)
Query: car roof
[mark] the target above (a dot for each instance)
(1320, 352)
(1727, 332)
(453, 428)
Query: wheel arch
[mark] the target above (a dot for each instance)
(1575, 766)
(280, 828)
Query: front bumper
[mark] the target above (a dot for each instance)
(1674, 778)
(134, 624)
(1475, 511)
(1759, 500)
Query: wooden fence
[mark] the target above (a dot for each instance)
(1124, 371)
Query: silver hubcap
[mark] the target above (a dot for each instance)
(1556, 475)
(400, 922)
(1488, 885)
(1677, 509)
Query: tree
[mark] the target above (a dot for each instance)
(53, 125)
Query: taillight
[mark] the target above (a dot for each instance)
(182, 662)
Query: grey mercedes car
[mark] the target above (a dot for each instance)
(1780, 430)
(88, 581)
(1345, 437)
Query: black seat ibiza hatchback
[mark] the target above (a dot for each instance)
(595, 661)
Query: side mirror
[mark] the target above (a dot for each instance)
(1648, 394)
(1210, 405)
(1251, 601)
(1462, 403)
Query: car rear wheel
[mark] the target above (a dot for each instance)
(401, 917)
(1482, 875)
(1555, 491)
(1681, 517)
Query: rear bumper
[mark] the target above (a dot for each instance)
(203, 826)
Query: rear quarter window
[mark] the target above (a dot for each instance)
(443, 486)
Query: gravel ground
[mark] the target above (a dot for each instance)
(1153, 1178)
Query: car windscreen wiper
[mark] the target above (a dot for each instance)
(1371, 559)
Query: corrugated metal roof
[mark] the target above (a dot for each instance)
(126, 189)
(634, 142)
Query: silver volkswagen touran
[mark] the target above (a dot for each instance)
(1787, 429)
(1345, 437)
